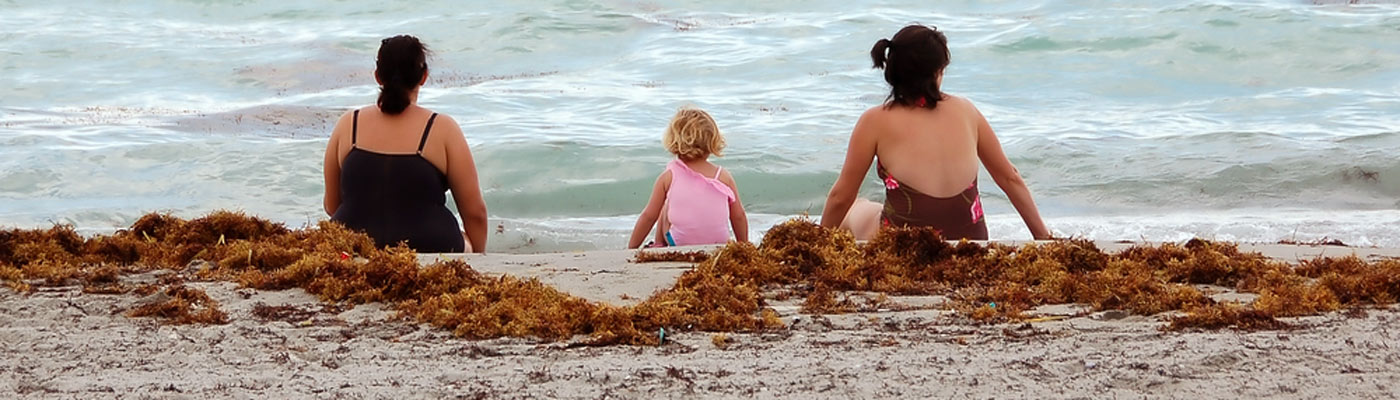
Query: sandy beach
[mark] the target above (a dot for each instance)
(62, 343)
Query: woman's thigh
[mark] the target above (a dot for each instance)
(863, 220)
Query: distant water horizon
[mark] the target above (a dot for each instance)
(1251, 121)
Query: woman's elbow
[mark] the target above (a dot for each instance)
(477, 213)
(1010, 178)
(840, 193)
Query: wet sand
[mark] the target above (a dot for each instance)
(61, 343)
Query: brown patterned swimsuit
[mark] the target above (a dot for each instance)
(957, 217)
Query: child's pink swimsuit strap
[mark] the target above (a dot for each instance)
(697, 206)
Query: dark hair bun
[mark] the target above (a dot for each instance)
(401, 65)
(877, 53)
(912, 61)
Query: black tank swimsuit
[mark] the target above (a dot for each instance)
(397, 197)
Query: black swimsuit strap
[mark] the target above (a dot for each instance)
(426, 130)
(354, 128)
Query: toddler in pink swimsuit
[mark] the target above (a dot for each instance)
(694, 201)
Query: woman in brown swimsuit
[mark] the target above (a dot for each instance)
(934, 142)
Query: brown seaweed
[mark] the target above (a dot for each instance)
(1354, 281)
(1222, 316)
(649, 256)
(721, 340)
(183, 305)
(723, 293)
(13, 278)
(509, 306)
(287, 313)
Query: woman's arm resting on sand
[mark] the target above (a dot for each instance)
(859, 154)
(465, 184)
(1009, 179)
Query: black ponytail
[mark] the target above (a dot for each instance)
(877, 53)
(913, 59)
(401, 65)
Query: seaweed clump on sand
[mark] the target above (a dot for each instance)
(49, 255)
(998, 283)
(13, 278)
(508, 306)
(801, 252)
(1354, 281)
(179, 304)
(1221, 316)
(59, 256)
(721, 294)
(650, 256)
(103, 279)
(179, 241)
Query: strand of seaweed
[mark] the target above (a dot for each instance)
(696, 256)
(723, 293)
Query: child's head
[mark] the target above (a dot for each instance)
(693, 135)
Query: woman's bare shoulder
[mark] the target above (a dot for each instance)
(349, 115)
(446, 120)
(344, 124)
(363, 110)
(958, 100)
(962, 104)
(875, 112)
(444, 125)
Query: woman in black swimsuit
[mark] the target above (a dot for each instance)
(389, 165)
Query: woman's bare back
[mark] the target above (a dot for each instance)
(933, 151)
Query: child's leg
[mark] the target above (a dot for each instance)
(863, 220)
(663, 224)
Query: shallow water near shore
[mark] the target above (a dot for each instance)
(1238, 120)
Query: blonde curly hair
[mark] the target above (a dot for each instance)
(693, 135)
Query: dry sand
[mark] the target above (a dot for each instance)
(60, 343)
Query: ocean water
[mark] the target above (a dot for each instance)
(1253, 121)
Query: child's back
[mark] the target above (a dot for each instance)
(697, 206)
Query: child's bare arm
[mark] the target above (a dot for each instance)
(738, 220)
(652, 211)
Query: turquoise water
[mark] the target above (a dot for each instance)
(1233, 120)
